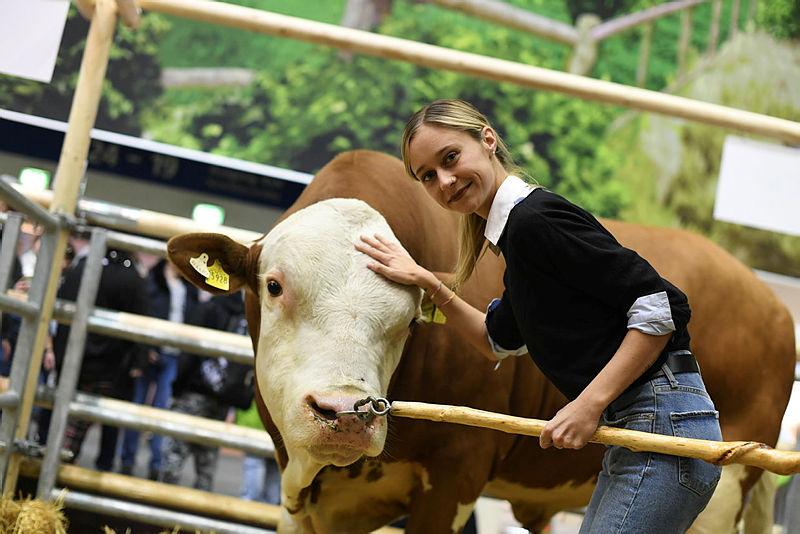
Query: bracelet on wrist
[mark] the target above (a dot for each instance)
(435, 291)
(451, 297)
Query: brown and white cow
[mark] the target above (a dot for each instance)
(327, 331)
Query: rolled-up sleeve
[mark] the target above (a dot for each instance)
(652, 314)
(501, 330)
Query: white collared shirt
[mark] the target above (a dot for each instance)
(510, 193)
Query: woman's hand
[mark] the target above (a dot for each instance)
(393, 262)
(571, 427)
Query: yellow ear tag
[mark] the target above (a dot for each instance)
(431, 314)
(217, 277)
(438, 316)
(200, 264)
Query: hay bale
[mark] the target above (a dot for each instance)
(32, 516)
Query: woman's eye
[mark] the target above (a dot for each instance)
(427, 177)
(450, 157)
(274, 288)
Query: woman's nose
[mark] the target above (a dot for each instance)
(446, 180)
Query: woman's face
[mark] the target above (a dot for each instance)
(457, 171)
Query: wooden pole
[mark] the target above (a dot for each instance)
(69, 173)
(685, 39)
(627, 22)
(476, 65)
(644, 54)
(751, 11)
(716, 452)
(166, 495)
(141, 221)
(713, 33)
(734, 19)
(514, 17)
(584, 53)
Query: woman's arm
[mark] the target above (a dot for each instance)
(575, 423)
(394, 262)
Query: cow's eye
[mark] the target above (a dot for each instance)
(274, 288)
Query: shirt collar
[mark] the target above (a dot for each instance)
(510, 193)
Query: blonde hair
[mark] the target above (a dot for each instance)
(461, 116)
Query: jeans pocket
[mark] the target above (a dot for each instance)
(697, 475)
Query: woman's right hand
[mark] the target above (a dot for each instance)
(394, 262)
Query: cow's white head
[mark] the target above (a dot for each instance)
(328, 331)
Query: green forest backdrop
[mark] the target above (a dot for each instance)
(307, 103)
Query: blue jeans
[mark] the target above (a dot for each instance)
(649, 492)
(261, 480)
(162, 373)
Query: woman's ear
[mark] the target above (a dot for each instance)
(489, 139)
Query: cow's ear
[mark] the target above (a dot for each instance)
(212, 262)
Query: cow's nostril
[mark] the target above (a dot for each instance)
(325, 413)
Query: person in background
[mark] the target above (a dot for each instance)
(207, 387)
(171, 298)
(107, 361)
(261, 478)
(21, 270)
(600, 323)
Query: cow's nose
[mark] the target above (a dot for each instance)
(326, 407)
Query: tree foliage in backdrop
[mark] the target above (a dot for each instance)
(781, 18)
(674, 164)
(309, 103)
(133, 78)
(303, 115)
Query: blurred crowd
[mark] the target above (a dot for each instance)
(160, 376)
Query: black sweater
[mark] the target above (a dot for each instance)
(569, 287)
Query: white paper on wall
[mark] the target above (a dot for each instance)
(30, 34)
(759, 185)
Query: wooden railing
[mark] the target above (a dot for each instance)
(589, 31)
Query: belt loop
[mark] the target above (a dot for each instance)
(668, 372)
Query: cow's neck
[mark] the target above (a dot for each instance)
(297, 476)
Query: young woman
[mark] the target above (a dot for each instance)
(597, 319)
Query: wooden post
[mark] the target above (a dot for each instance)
(644, 54)
(734, 19)
(584, 53)
(713, 34)
(751, 11)
(69, 173)
(684, 40)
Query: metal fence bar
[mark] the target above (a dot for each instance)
(9, 399)
(18, 307)
(136, 243)
(182, 426)
(68, 381)
(25, 367)
(149, 330)
(151, 514)
(21, 203)
(8, 248)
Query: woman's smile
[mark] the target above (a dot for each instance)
(459, 194)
